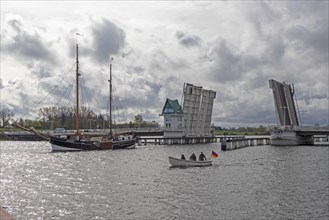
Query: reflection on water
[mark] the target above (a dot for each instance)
(260, 182)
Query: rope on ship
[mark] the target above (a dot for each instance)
(66, 94)
(43, 136)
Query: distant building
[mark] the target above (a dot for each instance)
(194, 119)
(173, 119)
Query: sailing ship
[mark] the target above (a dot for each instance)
(81, 141)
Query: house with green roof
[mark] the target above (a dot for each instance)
(173, 119)
(193, 118)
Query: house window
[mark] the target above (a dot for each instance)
(168, 110)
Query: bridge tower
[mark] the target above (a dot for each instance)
(285, 109)
(197, 107)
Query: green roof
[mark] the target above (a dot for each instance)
(171, 107)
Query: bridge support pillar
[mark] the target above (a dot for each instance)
(290, 138)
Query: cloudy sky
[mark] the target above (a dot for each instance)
(233, 48)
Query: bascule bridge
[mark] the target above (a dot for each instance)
(289, 131)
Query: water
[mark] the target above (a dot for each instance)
(260, 182)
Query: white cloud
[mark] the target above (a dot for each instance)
(233, 48)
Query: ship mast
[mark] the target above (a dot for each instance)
(110, 81)
(77, 89)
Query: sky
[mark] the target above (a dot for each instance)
(231, 47)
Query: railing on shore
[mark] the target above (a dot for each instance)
(175, 140)
(321, 138)
(227, 142)
(232, 144)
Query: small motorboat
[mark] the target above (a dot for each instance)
(175, 162)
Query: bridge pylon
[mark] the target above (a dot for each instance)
(287, 133)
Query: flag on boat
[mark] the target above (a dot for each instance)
(214, 155)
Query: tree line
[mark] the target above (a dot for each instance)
(65, 117)
(242, 130)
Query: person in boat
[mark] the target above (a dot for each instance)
(193, 157)
(202, 157)
(183, 157)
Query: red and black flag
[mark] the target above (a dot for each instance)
(214, 154)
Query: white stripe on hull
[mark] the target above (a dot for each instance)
(131, 147)
(60, 148)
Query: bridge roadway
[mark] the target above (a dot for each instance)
(311, 130)
(152, 132)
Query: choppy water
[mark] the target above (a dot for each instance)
(261, 182)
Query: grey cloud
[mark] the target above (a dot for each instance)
(154, 86)
(258, 80)
(63, 95)
(227, 63)
(144, 94)
(135, 70)
(39, 71)
(260, 14)
(314, 9)
(150, 116)
(150, 98)
(253, 116)
(231, 65)
(13, 83)
(188, 40)
(27, 45)
(16, 25)
(161, 62)
(286, 41)
(108, 40)
(251, 62)
(138, 69)
(1, 84)
(172, 87)
(254, 109)
(311, 17)
(309, 95)
(317, 38)
(275, 52)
